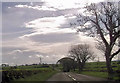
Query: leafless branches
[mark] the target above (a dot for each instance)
(82, 53)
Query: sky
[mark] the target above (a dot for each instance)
(33, 30)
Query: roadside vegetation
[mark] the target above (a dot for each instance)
(98, 69)
(27, 73)
(42, 76)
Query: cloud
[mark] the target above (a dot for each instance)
(31, 53)
(54, 5)
(30, 56)
(15, 51)
(51, 22)
(54, 37)
(15, 56)
(14, 19)
(49, 25)
(66, 4)
(39, 55)
(37, 7)
(10, 49)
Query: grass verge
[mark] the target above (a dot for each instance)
(43, 76)
(96, 74)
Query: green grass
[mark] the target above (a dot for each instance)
(96, 69)
(43, 76)
(98, 66)
(36, 67)
(23, 67)
(96, 74)
(42, 69)
(29, 73)
(100, 74)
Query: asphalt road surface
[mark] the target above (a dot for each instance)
(69, 76)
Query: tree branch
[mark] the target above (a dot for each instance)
(105, 24)
(118, 51)
(116, 35)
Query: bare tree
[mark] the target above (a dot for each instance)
(82, 53)
(102, 21)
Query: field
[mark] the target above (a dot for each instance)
(43, 72)
(27, 73)
(101, 66)
(42, 76)
(98, 69)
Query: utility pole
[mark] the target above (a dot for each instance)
(40, 61)
(98, 62)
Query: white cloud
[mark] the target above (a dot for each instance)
(30, 56)
(36, 7)
(47, 22)
(49, 25)
(47, 56)
(37, 55)
(9, 7)
(21, 6)
(68, 4)
(15, 51)
(54, 5)
(52, 58)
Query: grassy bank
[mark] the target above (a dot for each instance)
(98, 69)
(96, 74)
(100, 74)
(27, 73)
(43, 76)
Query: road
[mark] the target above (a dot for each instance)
(69, 76)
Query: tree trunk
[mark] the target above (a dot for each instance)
(82, 65)
(74, 64)
(108, 64)
(79, 66)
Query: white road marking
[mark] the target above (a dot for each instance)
(72, 77)
(69, 75)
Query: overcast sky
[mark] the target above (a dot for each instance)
(41, 29)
